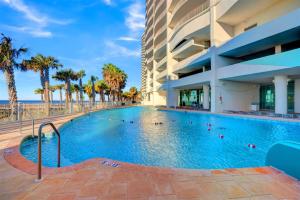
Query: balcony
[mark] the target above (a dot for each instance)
(149, 21)
(173, 5)
(149, 35)
(197, 26)
(162, 64)
(149, 11)
(162, 76)
(192, 81)
(263, 68)
(158, 6)
(186, 9)
(264, 36)
(233, 12)
(198, 11)
(193, 63)
(163, 15)
(161, 30)
(188, 49)
(149, 51)
(160, 49)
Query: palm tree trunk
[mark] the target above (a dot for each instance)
(42, 79)
(93, 93)
(51, 97)
(77, 98)
(108, 96)
(102, 96)
(60, 95)
(113, 96)
(81, 93)
(67, 95)
(42, 97)
(47, 91)
(12, 91)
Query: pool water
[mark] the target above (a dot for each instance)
(182, 140)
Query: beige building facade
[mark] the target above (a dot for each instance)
(222, 55)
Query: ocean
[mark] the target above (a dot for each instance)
(26, 101)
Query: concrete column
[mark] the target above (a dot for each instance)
(280, 83)
(297, 96)
(278, 49)
(172, 97)
(205, 96)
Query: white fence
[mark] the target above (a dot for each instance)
(38, 111)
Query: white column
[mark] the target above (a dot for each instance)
(297, 96)
(278, 49)
(172, 97)
(280, 83)
(205, 96)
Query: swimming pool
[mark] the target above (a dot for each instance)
(182, 140)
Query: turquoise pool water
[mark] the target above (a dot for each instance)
(183, 140)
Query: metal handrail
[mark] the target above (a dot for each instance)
(40, 147)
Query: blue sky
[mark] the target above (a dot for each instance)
(82, 34)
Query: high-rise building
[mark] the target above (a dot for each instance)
(223, 55)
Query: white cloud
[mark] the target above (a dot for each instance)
(36, 32)
(134, 21)
(39, 21)
(116, 50)
(108, 2)
(128, 38)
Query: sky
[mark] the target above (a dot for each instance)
(81, 34)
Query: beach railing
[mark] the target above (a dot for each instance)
(38, 111)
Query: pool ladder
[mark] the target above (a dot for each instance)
(40, 147)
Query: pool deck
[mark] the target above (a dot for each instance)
(100, 179)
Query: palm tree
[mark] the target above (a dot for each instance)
(80, 75)
(133, 93)
(51, 90)
(76, 89)
(41, 92)
(115, 79)
(88, 90)
(59, 87)
(67, 76)
(8, 63)
(43, 64)
(93, 79)
(126, 96)
(101, 87)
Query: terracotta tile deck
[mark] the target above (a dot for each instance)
(95, 179)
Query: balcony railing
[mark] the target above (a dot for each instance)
(159, 5)
(161, 44)
(160, 17)
(159, 31)
(162, 75)
(178, 5)
(200, 10)
(161, 64)
(172, 5)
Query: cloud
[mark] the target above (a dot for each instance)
(127, 38)
(134, 21)
(36, 32)
(38, 21)
(116, 50)
(108, 2)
